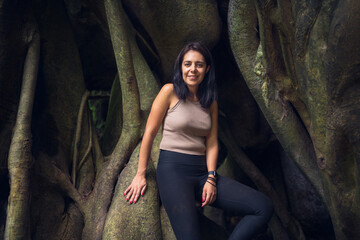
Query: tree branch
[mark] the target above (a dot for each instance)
(90, 145)
(284, 21)
(250, 59)
(63, 181)
(98, 155)
(20, 159)
(290, 131)
(276, 32)
(78, 135)
(130, 94)
(130, 134)
(273, 63)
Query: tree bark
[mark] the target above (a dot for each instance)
(100, 199)
(20, 157)
(140, 220)
(295, 89)
(284, 220)
(300, 60)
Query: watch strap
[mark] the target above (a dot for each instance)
(212, 173)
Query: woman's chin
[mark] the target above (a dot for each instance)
(192, 83)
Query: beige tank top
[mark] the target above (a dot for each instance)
(185, 127)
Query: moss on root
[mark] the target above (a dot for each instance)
(140, 220)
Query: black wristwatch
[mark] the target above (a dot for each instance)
(213, 173)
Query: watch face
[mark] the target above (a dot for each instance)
(213, 173)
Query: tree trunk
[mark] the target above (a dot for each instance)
(20, 157)
(294, 89)
(299, 60)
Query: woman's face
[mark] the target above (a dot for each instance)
(193, 68)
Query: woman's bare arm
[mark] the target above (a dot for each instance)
(212, 148)
(161, 104)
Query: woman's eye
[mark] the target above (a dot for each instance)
(199, 65)
(187, 64)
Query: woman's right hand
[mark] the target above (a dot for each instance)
(136, 188)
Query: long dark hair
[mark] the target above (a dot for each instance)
(207, 92)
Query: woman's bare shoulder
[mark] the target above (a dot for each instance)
(168, 88)
(168, 93)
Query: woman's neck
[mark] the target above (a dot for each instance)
(193, 97)
(193, 93)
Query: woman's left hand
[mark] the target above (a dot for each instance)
(208, 194)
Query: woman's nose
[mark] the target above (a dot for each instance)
(193, 68)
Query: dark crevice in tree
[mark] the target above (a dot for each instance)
(144, 41)
(286, 221)
(304, 24)
(298, 116)
(4, 194)
(151, 57)
(99, 106)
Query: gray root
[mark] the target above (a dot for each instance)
(20, 159)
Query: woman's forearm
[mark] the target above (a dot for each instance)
(212, 146)
(145, 150)
(211, 156)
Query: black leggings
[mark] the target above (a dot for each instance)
(181, 178)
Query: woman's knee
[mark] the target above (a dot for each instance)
(266, 207)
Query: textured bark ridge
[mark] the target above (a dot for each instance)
(140, 220)
(300, 80)
(289, 117)
(20, 159)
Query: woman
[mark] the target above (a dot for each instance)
(186, 170)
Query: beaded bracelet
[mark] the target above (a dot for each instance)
(213, 179)
(211, 183)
